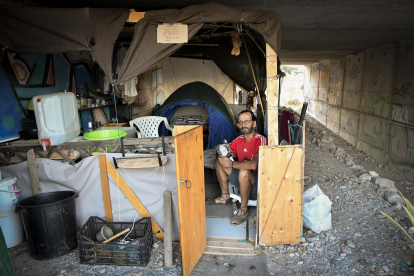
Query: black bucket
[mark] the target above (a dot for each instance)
(50, 223)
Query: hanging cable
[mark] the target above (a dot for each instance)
(254, 76)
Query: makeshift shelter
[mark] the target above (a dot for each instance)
(221, 120)
(42, 30)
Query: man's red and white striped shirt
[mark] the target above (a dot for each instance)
(246, 150)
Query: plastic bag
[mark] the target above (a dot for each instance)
(316, 210)
(223, 149)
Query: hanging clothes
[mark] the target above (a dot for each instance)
(127, 90)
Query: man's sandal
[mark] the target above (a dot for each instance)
(221, 199)
(241, 216)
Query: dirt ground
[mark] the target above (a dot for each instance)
(361, 241)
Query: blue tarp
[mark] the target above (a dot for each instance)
(218, 126)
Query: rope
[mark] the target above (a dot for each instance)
(6, 47)
(163, 184)
(202, 18)
(133, 224)
(116, 113)
(277, 76)
(254, 76)
(156, 169)
(88, 47)
(140, 174)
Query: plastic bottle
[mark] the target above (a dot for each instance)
(90, 128)
(82, 91)
(78, 101)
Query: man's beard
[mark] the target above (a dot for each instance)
(246, 130)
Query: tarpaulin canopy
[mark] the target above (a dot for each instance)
(50, 30)
(33, 30)
(238, 67)
(145, 52)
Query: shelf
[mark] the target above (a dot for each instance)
(88, 108)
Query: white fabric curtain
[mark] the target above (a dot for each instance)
(179, 71)
(148, 185)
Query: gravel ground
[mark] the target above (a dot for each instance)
(68, 264)
(361, 242)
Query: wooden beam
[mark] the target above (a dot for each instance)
(64, 156)
(133, 199)
(105, 188)
(168, 252)
(132, 162)
(34, 176)
(4, 160)
(272, 96)
(86, 144)
(135, 16)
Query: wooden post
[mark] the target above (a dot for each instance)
(272, 96)
(168, 254)
(34, 176)
(105, 188)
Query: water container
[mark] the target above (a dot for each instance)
(10, 222)
(9, 194)
(57, 118)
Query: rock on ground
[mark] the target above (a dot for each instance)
(361, 241)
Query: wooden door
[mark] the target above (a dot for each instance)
(280, 194)
(189, 163)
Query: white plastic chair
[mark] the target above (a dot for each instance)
(148, 126)
(235, 195)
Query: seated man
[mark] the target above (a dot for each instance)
(243, 172)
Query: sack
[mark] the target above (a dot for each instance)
(223, 149)
(316, 210)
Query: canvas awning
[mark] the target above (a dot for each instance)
(51, 30)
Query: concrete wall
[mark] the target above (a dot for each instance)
(368, 99)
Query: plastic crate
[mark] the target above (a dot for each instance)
(93, 252)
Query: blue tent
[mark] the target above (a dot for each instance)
(221, 120)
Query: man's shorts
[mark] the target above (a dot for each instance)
(234, 180)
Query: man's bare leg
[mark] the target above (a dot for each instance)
(222, 174)
(246, 178)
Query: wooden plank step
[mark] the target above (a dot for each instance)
(223, 239)
(228, 251)
(231, 245)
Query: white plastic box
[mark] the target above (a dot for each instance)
(57, 118)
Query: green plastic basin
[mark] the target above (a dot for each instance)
(104, 134)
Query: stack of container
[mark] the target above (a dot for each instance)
(10, 222)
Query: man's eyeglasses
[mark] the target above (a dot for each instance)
(246, 122)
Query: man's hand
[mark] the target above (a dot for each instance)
(225, 161)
